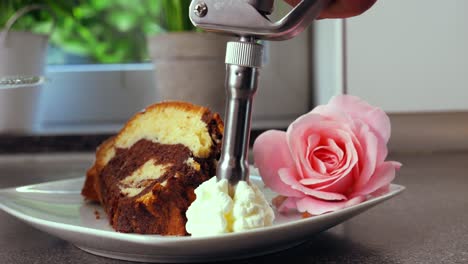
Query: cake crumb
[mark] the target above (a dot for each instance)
(278, 200)
(306, 215)
(96, 214)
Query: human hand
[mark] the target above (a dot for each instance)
(341, 8)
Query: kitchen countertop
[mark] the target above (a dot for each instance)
(428, 223)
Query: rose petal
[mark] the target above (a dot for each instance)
(318, 165)
(328, 159)
(360, 109)
(317, 207)
(290, 177)
(335, 148)
(368, 156)
(380, 123)
(313, 163)
(331, 152)
(331, 133)
(382, 152)
(342, 184)
(383, 176)
(271, 153)
(345, 174)
(332, 113)
(350, 157)
(337, 133)
(313, 182)
(302, 137)
(288, 204)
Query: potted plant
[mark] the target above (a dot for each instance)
(189, 64)
(23, 53)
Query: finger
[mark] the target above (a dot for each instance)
(346, 8)
(341, 8)
(293, 2)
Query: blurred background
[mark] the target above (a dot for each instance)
(105, 60)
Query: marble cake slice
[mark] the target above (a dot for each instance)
(145, 176)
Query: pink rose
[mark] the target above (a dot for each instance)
(329, 158)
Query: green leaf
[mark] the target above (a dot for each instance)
(100, 5)
(123, 21)
(84, 11)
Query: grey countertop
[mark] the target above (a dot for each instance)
(428, 223)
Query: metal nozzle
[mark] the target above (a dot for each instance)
(243, 60)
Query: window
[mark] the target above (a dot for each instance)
(100, 73)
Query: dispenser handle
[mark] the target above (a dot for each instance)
(249, 18)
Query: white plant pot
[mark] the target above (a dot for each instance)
(21, 53)
(189, 66)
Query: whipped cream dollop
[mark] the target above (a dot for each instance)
(218, 210)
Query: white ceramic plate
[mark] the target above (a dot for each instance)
(58, 208)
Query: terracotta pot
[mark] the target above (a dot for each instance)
(189, 66)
